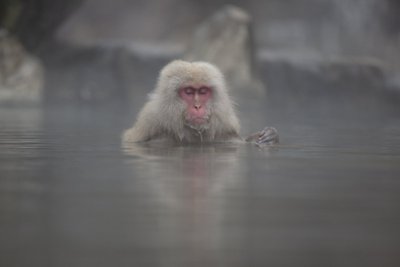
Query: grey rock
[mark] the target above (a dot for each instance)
(336, 74)
(226, 40)
(99, 74)
(21, 74)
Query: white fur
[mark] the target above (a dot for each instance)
(159, 120)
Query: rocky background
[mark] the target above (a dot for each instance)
(100, 51)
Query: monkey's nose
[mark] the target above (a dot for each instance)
(197, 106)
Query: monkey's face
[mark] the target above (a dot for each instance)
(197, 101)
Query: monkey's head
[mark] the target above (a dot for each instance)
(189, 104)
(197, 92)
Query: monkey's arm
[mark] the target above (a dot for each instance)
(145, 127)
(268, 136)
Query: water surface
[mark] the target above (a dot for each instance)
(329, 195)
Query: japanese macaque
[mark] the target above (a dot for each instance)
(191, 104)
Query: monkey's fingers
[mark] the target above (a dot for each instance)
(253, 137)
(268, 136)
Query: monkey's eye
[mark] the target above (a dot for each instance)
(189, 90)
(204, 90)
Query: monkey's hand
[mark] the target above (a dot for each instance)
(268, 136)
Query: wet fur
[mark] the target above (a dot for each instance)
(162, 117)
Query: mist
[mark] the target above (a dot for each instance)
(75, 74)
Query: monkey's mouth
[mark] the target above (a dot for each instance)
(197, 120)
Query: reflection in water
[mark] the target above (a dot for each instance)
(207, 169)
(192, 185)
(70, 196)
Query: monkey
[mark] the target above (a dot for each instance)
(191, 105)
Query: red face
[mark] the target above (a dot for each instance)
(196, 98)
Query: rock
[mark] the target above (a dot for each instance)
(99, 74)
(295, 74)
(226, 40)
(21, 74)
(325, 87)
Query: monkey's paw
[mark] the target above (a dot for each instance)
(268, 136)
